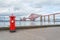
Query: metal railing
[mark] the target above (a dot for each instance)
(43, 20)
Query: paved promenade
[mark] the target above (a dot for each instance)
(49, 33)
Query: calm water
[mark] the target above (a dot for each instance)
(26, 23)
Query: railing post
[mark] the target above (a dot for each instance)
(4, 19)
(54, 18)
(48, 18)
(40, 18)
(44, 18)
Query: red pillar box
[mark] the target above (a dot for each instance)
(12, 24)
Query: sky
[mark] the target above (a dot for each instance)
(26, 7)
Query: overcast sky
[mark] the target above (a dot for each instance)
(29, 6)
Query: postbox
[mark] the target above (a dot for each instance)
(12, 24)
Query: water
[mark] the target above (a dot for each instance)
(27, 23)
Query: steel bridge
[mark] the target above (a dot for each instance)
(32, 17)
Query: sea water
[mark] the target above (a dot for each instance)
(28, 23)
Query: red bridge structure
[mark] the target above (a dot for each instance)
(32, 17)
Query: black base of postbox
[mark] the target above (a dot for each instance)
(12, 30)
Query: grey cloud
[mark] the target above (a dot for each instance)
(16, 14)
(16, 8)
(19, 5)
(47, 2)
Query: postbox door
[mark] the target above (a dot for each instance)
(12, 23)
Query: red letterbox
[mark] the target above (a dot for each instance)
(12, 24)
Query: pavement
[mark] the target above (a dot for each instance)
(48, 33)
